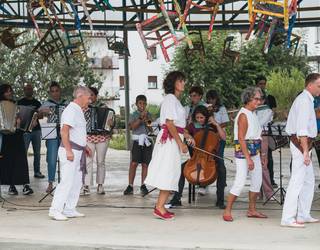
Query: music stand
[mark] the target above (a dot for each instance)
(57, 129)
(280, 189)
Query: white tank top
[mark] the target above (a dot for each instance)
(254, 128)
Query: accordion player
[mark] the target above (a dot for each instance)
(100, 120)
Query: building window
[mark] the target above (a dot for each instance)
(153, 51)
(121, 82)
(152, 82)
(318, 35)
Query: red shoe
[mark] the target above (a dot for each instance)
(165, 216)
(227, 218)
(170, 213)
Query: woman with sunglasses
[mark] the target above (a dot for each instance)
(247, 138)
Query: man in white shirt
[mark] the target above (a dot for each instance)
(72, 152)
(302, 128)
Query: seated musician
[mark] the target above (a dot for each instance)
(247, 138)
(220, 114)
(200, 119)
(98, 144)
(14, 164)
(142, 147)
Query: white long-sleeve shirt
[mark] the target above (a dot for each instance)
(302, 117)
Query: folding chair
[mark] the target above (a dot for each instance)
(149, 30)
(75, 46)
(228, 52)
(198, 46)
(272, 8)
(208, 5)
(116, 44)
(50, 45)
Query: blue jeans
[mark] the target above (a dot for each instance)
(52, 156)
(0, 142)
(35, 138)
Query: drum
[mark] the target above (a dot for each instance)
(8, 117)
(28, 118)
(277, 141)
(100, 120)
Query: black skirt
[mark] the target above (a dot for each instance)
(14, 164)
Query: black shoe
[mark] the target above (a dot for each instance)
(128, 191)
(143, 190)
(39, 175)
(274, 185)
(27, 190)
(175, 203)
(319, 186)
(220, 205)
(12, 190)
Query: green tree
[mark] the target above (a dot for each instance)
(20, 66)
(213, 71)
(285, 86)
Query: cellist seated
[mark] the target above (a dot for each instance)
(201, 119)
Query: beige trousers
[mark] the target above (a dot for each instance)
(99, 150)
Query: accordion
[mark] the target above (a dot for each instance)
(28, 117)
(8, 117)
(100, 120)
(55, 113)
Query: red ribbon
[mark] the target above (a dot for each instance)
(166, 134)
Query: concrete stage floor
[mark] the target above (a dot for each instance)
(114, 221)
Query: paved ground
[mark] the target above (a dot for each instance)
(116, 222)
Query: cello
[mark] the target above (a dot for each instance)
(201, 169)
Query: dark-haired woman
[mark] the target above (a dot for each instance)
(220, 115)
(13, 164)
(164, 168)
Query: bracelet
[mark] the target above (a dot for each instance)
(263, 154)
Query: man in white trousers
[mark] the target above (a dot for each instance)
(302, 128)
(72, 152)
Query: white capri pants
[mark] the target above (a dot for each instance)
(242, 173)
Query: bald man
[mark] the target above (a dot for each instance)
(35, 136)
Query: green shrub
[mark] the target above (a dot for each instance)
(285, 85)
(118, 141)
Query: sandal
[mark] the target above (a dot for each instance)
(227, 218)
(256, 215)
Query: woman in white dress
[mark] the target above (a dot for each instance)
(164, 169)
(247, 138)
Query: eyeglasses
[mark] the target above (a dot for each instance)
(257, 99)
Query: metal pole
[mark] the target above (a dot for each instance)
(126, 76)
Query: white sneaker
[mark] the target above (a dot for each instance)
(309, 220)
(73, 214)
(202, 191)
(57, 216)
(293, 224)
